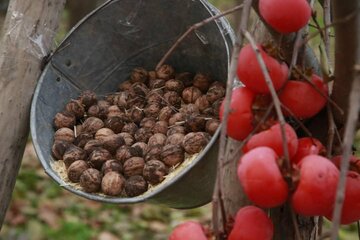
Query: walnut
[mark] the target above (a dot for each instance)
(157, 139)
(72, 154)
(139, 74)
(136, 114)
(98, 157)
(217, 84)
(152, 110)
(152, 75)
(154, 171)
(143, 135)
(215, 92)
(195, 142)
(133, 166)
(148, 123)
(175, 129)
(113, 142)
(189, 109)
(165, 72)
(174, 85)
(88, 98)
(82, 139)
(76, 108)
(135, 186)
(195, 123)
(121, 100)
(160, 127)
(111, 165)
(77, 130)
(112, 183)
(103, 132)
(202, 82)
(141, 147)
(100, 110)
(172, 155)
(92, 124)
(128, 138)
(125, 86)
(90, 180)
(186, 78)
(114, 111)
(153, 152)
(91, 145)
(76, 169)
(165, 113)
(209, 111)
(175, 139)
(64, 134)
(190, 94)
(130, 128)
(155, 97)
(157, 83)
(202, 103)
(125, 152)
(212, 125)
(176, 118)
(216, 107)
(114, 123)
(64, 119)
(172, 98)
(140, 89)
(58, 149)
(138, 101)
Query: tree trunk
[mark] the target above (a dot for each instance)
(29, 31)
(346, 13)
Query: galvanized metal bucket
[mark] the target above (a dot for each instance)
(100, 52)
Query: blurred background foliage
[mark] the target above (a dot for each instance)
(42, 210)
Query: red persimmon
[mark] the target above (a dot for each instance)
(315, 193)
(272, 138)
(189, 230)
(252, 223)
(302, 99)
(251, 75)
(351, 207)
(240, 118)
(261, 179)
(307, 146)
(285, 16)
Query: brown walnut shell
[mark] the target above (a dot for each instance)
(90, 180)
(191, 94)
(64, 134)
(112, 183)
(165, 72)
(111, 165)
(194, 142)
(135, 185)
(76, 169)
(72, 154)
(88, 98)
(172, 155)
(64, 119)
(154, 171)
(92, 124)
(139, 74)
(98, 157)
(133, 166)
(76, 108)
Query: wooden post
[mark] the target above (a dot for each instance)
(29, 31)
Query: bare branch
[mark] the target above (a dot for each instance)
(274, 96)
(351, 123)
(229, 87)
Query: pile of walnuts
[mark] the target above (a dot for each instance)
(121, 144)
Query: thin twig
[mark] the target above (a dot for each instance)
(351, 122)
(327, 21)
(230, 81)
(274, 96)
(339, 21)
(331, 132)
(192, 28)
(300, 36)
